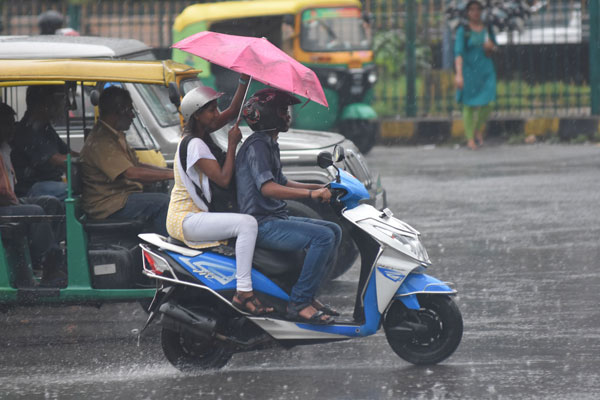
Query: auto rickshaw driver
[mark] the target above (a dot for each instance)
(113, 177)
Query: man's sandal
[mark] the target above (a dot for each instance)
(293, 314)
(326, 308)
(242, 305)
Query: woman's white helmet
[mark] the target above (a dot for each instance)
(197, 98)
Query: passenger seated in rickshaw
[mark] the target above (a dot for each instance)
(42, 236)
(112, 175)
(39, 154)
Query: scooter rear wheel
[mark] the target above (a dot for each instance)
(425, 336)
(190, 353)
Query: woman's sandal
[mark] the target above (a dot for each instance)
(326, 308)
(242, 305)
(293, 314)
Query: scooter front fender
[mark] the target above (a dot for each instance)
(420, 284)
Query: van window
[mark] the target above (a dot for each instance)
(156, 98)
(138, 136)
(189, 84)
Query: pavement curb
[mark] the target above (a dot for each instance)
(440, 130)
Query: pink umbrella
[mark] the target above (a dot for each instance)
(258, 58)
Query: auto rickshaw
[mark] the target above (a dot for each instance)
(332, 37)
(103, 260)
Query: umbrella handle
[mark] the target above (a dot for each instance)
(237, 120)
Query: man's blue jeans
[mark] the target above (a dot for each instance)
(320, 238)
(152, 207)
(49, 188)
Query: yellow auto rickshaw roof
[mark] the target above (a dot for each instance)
(246, 9)
(30, 71)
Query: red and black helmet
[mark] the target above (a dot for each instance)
(262, 110)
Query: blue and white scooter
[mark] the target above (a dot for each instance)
(201, 328)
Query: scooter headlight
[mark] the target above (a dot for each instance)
(409, 244)
(332, 79)
(412, 245)
(372, 77)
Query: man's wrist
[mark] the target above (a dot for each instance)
(310, 193)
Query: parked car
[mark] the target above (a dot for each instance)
(157, 115)
(551, 25)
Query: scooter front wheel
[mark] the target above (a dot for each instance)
(188, 352)
(425, 336)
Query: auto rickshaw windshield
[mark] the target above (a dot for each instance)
(334, 29)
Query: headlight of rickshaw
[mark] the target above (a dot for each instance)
(332, 79)
(372, 77)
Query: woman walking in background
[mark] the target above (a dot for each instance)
(475, 74)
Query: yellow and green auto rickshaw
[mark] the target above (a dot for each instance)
(332, 37)
(103, 259)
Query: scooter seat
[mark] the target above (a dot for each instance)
(275, 262)
(176, 242)
(269, 262)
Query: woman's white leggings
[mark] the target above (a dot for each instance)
(207, 226)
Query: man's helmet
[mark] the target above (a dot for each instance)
(196, 99)
(262, 110)
(49, 22)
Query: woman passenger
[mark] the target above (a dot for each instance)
(188, 218)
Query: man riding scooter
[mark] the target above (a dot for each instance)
(262, 189)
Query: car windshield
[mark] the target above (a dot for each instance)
(334, 29)
(157, 99)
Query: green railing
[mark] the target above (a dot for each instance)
(548, 69)
(543, 70)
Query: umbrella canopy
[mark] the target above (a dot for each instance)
(258, 58)
(502, 14)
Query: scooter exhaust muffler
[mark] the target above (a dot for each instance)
(180, 318)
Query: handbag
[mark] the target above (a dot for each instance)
(223, 199)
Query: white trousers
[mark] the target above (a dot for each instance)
(207, 226)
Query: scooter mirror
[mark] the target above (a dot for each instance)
(174, 94)
(324, 159)
(338, 154)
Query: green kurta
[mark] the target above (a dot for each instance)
(478, 69)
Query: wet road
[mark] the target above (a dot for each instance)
(516, 228)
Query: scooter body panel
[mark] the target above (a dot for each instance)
(217, 272)
(418, 284)
(287, 330)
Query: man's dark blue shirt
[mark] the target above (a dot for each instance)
(257, 163)
(33, 146)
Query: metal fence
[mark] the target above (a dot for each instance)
(542, 70)
(147, 20)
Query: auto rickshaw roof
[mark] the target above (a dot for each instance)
(28, 72)
(247, 9)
